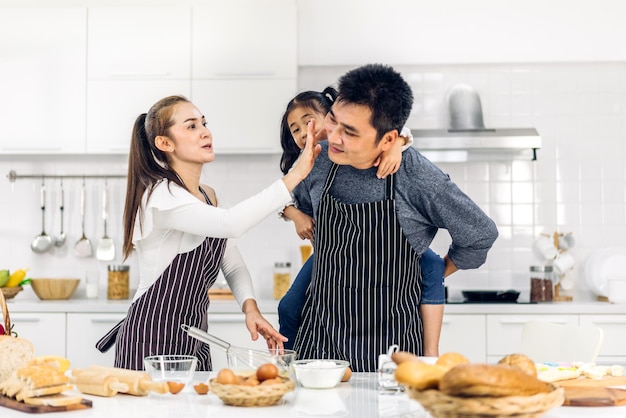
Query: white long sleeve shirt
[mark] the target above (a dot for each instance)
(173, 222)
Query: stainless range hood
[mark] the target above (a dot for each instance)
(467, 139)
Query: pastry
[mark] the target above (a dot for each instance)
(419, 375)
(520, 361)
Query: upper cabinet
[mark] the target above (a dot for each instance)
(136, 56)
(42, 80)
(244, 38)
(404, 32)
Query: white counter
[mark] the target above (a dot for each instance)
(357, 398)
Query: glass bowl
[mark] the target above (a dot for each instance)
(171, 368)
(319, 374)
(245, 362)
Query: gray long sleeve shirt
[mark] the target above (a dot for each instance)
(426, 200)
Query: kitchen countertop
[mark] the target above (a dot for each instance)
(357, 398)
(269, 306)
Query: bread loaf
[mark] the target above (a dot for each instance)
(402, 356)
(490, 380)
(419, 375)
(451, 359)
(16, 352)
(520, 361)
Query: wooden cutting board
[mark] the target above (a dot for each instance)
(38, 409)
(594, 392)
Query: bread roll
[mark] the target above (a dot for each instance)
(490, 380)
(402, 356)
(520, 361)
(16, 352)
(451, 359)
(419, 375)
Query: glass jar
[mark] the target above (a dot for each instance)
(282, 278)
(118, 283)
(541, 284)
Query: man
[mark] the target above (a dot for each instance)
(370, 233)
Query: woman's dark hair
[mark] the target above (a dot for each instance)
(383, 91)
(146, 163)
(314, 100)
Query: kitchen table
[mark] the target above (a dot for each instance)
(357, 398)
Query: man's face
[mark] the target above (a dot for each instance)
(351, 136)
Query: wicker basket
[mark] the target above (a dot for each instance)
(10, 292)
(260, 395)
(5, 312)
(441, 405)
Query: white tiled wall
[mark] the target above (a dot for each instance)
(577, 185)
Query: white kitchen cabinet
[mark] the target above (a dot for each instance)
(139, 43)
(504, 332)
(244, 114)
(232, 329)
(45, 330)
(42, 80)
(245, 38)
(466, 334)
(83, 332)
(613, 349)
(450, 31)
(113, 107)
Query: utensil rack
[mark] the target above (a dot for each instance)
(13, 176)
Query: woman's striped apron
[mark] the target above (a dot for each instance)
(366, 285)
(178, 296)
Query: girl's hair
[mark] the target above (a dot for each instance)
(314, 100)
(146, 163)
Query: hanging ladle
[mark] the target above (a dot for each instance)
(59, 240)
(43, 241)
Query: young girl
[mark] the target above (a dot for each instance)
(315, 105)
(179, 233)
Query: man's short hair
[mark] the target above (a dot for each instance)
(383, 91)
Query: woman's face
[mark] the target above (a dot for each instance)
(298, 119)
(191, 141)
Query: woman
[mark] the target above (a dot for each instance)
(179, 232)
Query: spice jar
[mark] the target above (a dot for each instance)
(282, 279)
(541, 284)
(118, 287)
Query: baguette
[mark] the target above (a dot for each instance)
(490, 380)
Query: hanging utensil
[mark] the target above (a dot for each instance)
(106, 247)
(83, 245)
(59, 240)
(238, 356)
(43, 241)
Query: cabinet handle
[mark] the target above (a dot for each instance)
(24, 319)
(140, 75)
(522, 321)
(37, 148)
(244, 74)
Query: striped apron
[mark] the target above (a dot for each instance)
(178, 296)
(366, 285)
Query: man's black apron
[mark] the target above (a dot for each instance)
(366, 285)
(178, 296)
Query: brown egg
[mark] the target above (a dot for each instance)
(266, 371)
(347, 375)
(226, 377)
(201, 388)
(175, 387)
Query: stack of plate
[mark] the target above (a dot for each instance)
(602, 265)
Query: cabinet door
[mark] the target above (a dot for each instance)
(613, 350)
(83, 332)
(244, 115)
(505, 332)
(465, 334)
(245, 38)
(42, 80)
(139, 43)
(45, 330)
(232, 328)
(113, 106)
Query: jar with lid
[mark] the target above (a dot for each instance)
(541, 284)
(118, 283)
(282, 278)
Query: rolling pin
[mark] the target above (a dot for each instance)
(99, 384)
(139, 383)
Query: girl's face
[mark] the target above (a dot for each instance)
(298, 119)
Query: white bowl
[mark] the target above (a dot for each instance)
(171, 368)
(319, 374)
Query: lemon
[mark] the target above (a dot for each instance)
(4, 277)
(16, 277)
